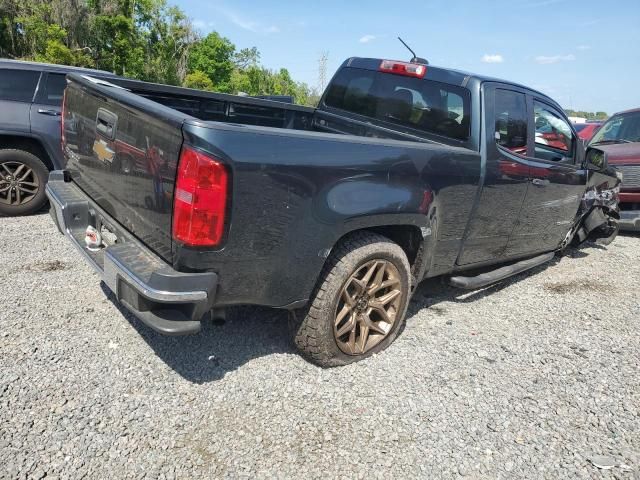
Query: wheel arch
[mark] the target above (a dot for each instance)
(413, 233)
(29, 144)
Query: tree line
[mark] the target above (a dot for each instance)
(587, 115)
(148, 40)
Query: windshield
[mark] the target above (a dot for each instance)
(619, 129)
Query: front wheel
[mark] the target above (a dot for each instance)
(359, 306)
(23, 177)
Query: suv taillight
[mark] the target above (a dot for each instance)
(200, 201)
(403, 68)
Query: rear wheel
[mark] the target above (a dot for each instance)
(359, 306)
(23, 177)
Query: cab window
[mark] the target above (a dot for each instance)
(554, 138)
(511, 121)
(421, 104)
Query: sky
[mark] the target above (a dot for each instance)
(585, 54)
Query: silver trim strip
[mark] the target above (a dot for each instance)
(113, 269)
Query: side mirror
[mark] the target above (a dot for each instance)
(596, 159)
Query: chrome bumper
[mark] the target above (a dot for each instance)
(168, 301)
(629, 220)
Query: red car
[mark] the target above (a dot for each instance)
(587, 130)
(619, 137)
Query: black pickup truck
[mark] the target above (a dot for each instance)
(188, 202)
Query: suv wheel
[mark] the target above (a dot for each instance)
(359, 306)
(23, 177)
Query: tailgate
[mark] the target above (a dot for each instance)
(122, 150)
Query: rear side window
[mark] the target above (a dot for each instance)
(18, 85)
(511, 121)
(53, 89)
(433, 107)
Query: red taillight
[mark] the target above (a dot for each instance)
(200, 200)
(403, 68)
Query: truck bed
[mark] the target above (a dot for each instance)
(245, 110)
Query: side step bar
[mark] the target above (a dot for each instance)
(484, 279)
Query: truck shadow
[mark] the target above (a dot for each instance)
(248, 333)
(253, 332)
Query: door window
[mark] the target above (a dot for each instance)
(554, 138)
(53, 89)
(18, 85)
(511, 121)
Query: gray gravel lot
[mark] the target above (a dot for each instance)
(534, 378)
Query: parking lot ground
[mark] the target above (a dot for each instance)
(538, 377)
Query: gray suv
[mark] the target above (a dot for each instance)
(30, 108)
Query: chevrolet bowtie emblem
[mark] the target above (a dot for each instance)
(104, 153)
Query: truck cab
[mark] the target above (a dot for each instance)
(533, 177)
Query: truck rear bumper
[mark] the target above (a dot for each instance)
(166, 300)
(629, 220)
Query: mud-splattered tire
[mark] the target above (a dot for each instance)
(351, 317)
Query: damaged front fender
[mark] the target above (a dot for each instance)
(599, 212)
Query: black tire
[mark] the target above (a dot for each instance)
(312, 328)
(35, 202)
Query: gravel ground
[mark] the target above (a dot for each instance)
(535, 378)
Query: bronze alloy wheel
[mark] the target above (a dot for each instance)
(18, 183)
(358, 306)
(368, 306)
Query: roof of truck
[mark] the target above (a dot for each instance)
(440, 74)
(19, 64)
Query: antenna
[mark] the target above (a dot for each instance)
(415, 58)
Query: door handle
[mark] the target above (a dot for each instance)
(539, 182)
(52, 113)
(106, 123)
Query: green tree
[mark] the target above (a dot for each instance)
(144, 39)
(118, 45)
(168, 36)
(55, 51)
(213, 55)
(198, 80)
(587, 115)
(247, 57)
